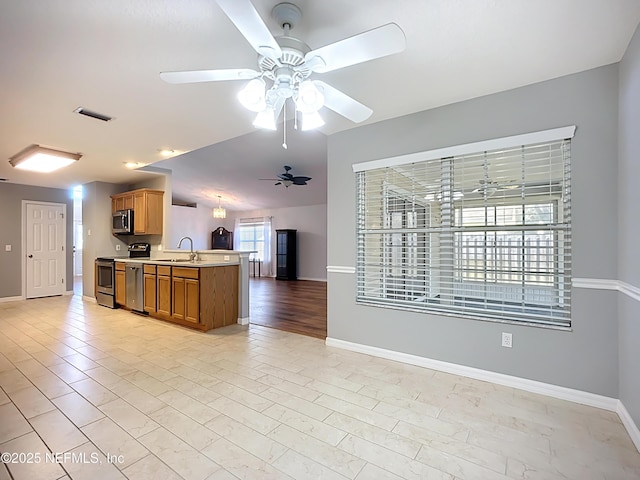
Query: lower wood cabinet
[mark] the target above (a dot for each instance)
(150, 288)
(121, 283)
(163, 289)
(202, 297)
(186, 294)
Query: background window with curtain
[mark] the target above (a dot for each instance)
(255, 234)
(484, 235)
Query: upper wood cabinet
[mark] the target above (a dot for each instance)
(147, 206)
(124, 201)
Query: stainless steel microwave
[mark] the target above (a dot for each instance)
(122, 222)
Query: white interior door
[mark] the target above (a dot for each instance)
(45, 249)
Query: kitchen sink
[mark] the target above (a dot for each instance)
(172, 260)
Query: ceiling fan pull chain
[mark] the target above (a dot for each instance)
(284, 126)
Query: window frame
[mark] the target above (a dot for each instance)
(560, 315)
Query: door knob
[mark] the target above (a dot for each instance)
(30, 256)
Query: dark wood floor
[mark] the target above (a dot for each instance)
(298, 306)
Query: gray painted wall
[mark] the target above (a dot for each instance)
(311, 223)
(629, 226)
(97, 238)
(196, 223)
(585, 358)
(11, 197)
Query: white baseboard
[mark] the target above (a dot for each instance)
(11, 299)
(68, 292)
(243, 320)
(629, 424)
(86, 298)
(313, 279)
(563, 393)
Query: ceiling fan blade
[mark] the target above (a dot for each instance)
(343, 104)
(379, 42)
(195, 76)
(246, 19)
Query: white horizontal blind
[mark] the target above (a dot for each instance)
(485, 235)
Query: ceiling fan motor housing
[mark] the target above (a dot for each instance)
(287, 15)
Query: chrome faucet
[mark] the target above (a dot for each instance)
(193, 256)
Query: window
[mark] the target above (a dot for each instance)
(251, 236)
(483, 234)
(255, 234)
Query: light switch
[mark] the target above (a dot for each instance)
(88, 232)
(7, 248)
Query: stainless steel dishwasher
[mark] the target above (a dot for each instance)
(135, 287)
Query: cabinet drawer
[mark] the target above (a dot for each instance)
(164, 270)
(121, 266)
(149, 269)
(186, 272)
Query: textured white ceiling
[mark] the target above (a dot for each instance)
(57, 55)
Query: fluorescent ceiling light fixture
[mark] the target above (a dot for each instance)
(219, 212)
(36, 158)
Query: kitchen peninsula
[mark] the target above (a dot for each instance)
(208, 293)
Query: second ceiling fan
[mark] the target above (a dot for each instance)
(288, 63)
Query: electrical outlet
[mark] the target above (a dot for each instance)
(507, 340)
(7, 248)
(118, 246)
(226, 258)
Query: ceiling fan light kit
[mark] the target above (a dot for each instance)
(288, 63)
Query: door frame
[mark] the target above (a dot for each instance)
(24, 244)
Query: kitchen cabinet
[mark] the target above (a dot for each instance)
(150, 288)
(221, 304)
(286, 255)
(147, 212)
(163, 290)
(123, 201)
(197, 297)
(121, 283)
(147, 206)
(186, 294)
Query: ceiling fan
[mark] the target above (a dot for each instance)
(490, 187)
(287, 63)
(287, 179)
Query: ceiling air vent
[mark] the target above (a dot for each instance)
(92, 114)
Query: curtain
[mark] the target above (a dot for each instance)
(266, 261)
(236, 235)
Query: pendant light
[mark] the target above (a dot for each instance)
(219, 212)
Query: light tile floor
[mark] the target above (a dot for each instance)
(89, 392)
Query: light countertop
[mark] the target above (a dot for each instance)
(199, 263)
